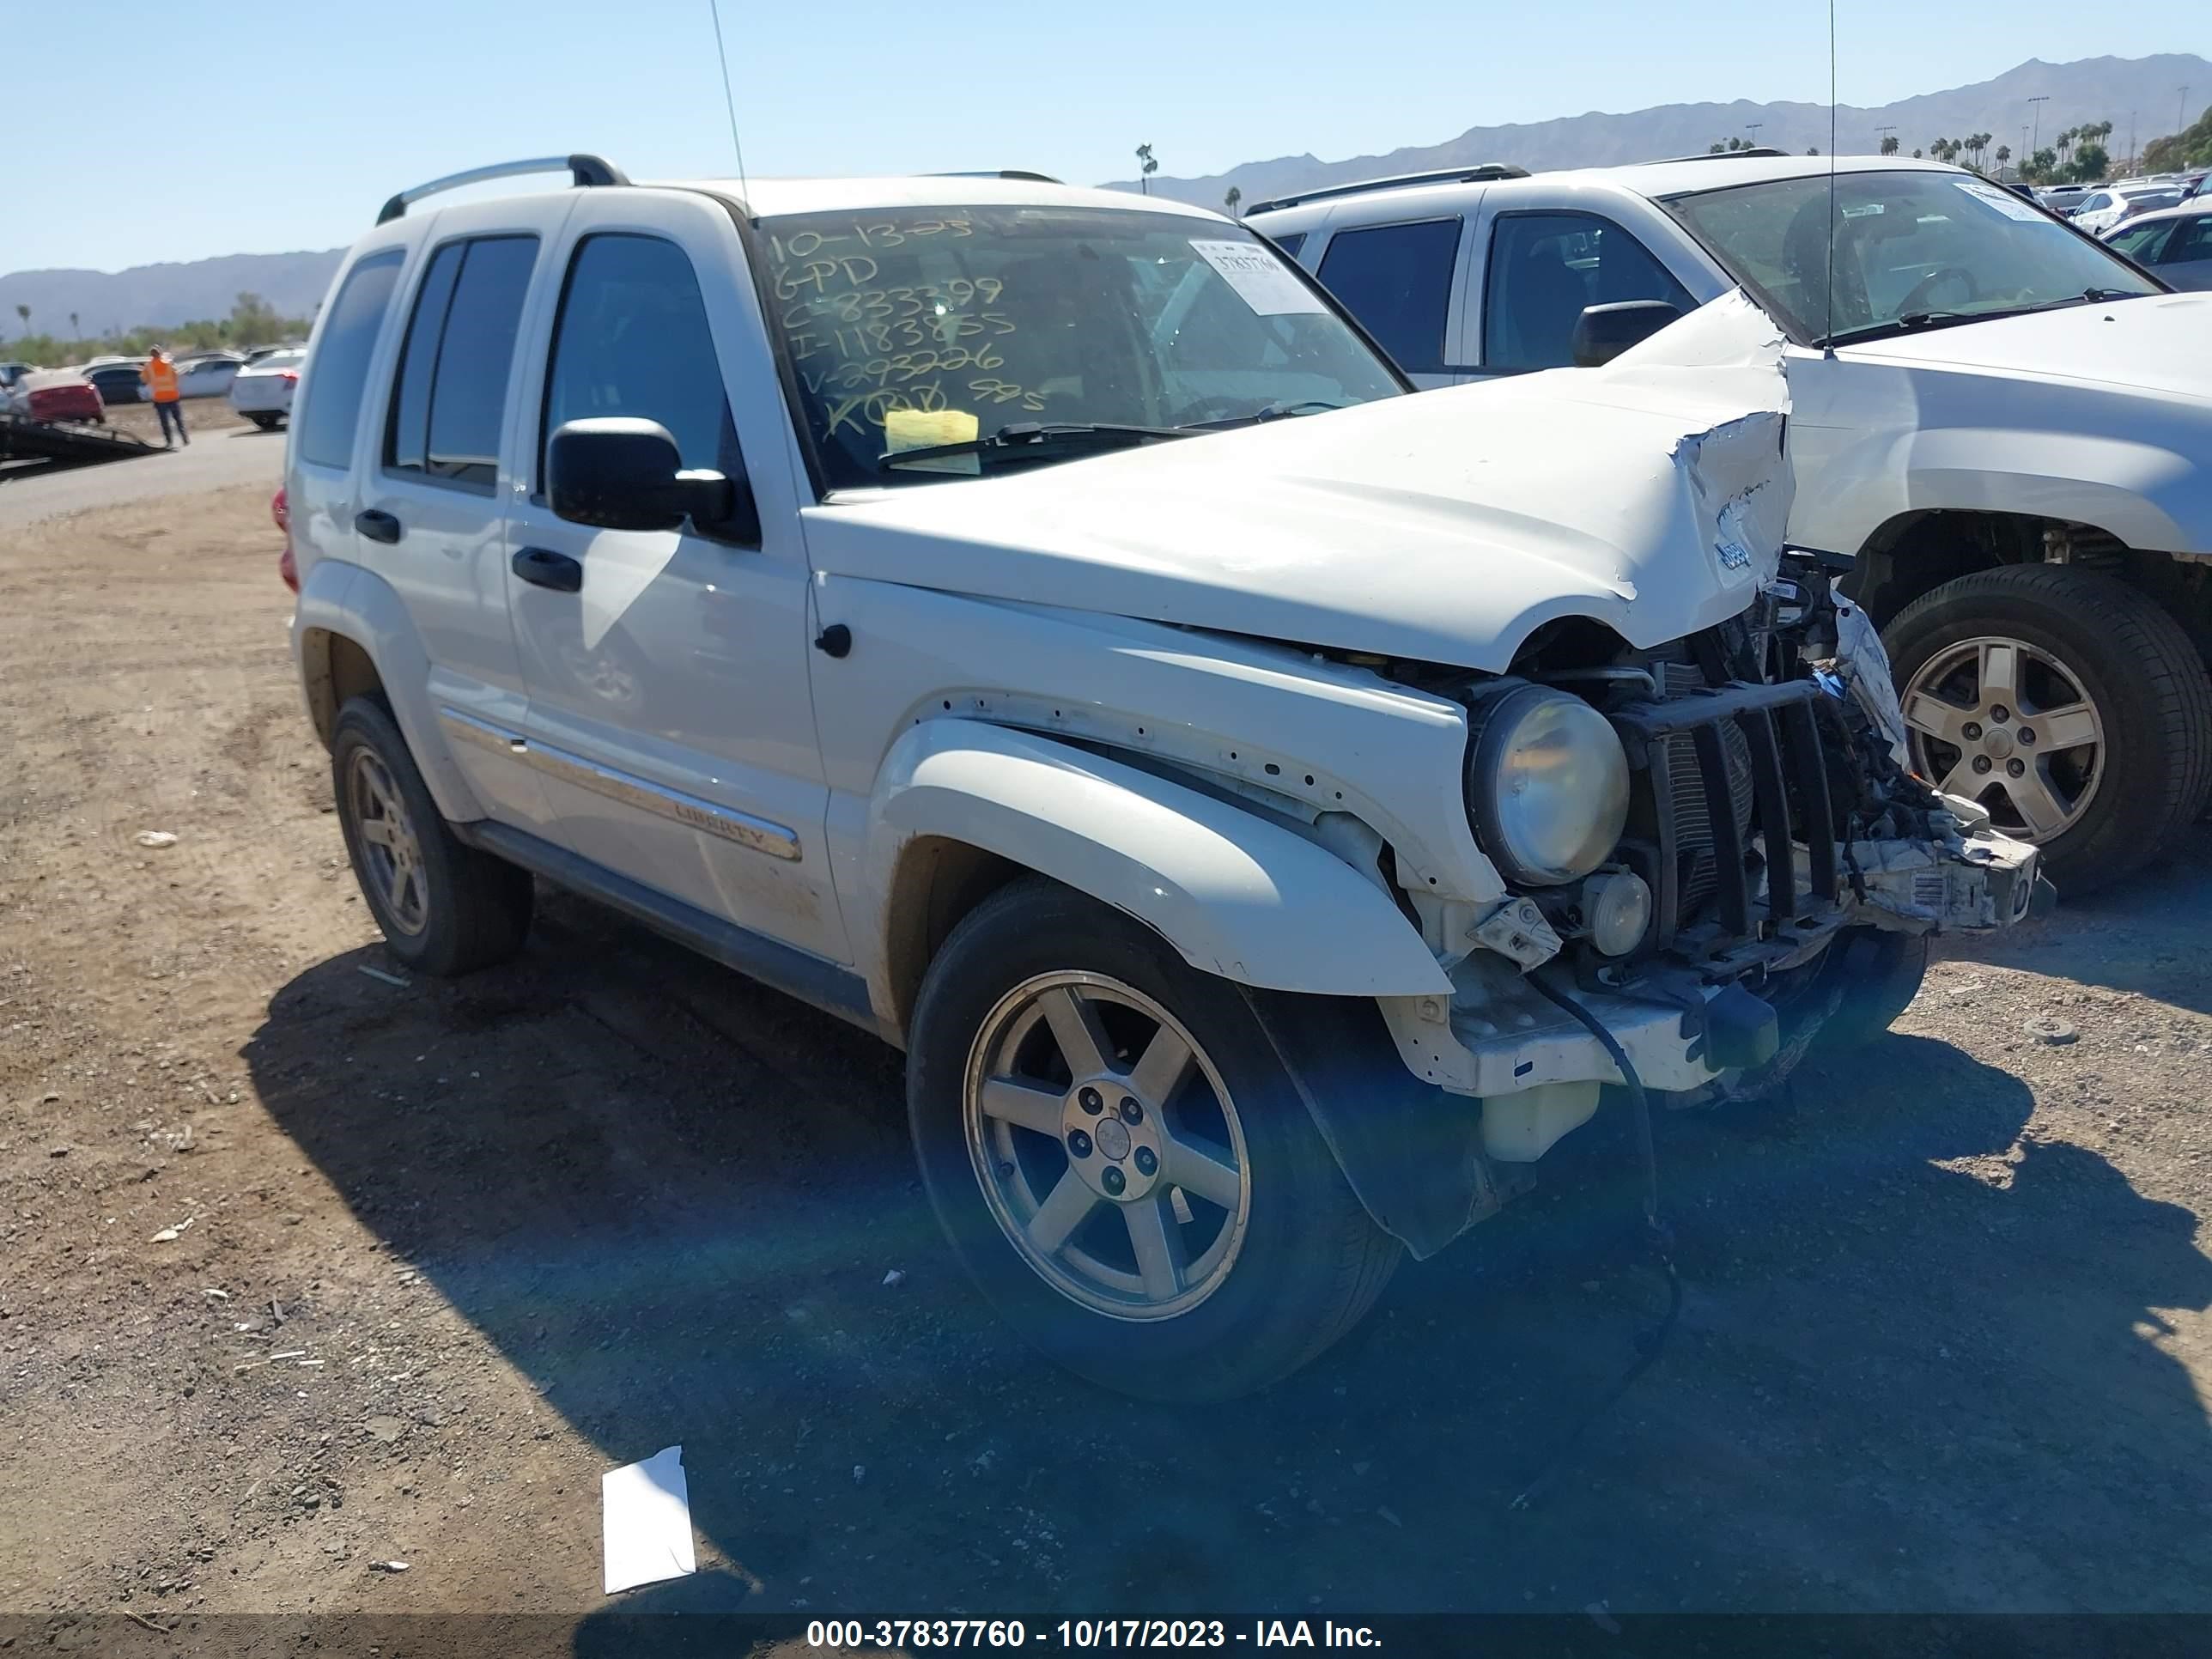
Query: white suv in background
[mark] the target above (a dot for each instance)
(2006, 426)
(1034, 626)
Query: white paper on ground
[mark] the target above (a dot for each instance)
(646, 1511)
(1259, 276)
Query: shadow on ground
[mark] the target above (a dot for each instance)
(1915, 1368)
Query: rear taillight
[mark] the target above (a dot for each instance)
(287, 566)
(291, 378)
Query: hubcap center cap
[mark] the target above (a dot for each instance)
(1113, 1139)
(1998, 741)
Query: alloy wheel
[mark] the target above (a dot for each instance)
(391, 856)
(1108, 1147)
(2007, 724)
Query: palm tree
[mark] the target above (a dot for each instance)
(2004, 154)
(1149, 168)
(24, 312)
(1231, 199)
(73, 329)
(1889, 144)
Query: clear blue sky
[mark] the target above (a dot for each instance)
(284, 125)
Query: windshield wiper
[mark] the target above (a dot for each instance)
(1915, 322)
(1277, 411)
(1036, 440)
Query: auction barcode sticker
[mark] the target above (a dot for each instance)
(1259, 277)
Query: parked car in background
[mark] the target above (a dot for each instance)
(262, 390)
(61, 394)
(2007, 427)
(11, 378)
(209, 375)
(260, 353)
(2063, 199)
(2107, 206)
(120, 381)
(2173, 244)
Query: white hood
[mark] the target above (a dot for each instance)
(2159, 343)
(1445, 528)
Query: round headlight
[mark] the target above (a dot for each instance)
(1547, 784)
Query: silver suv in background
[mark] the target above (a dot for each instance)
(2007, 427)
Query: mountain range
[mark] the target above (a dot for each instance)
(2122, 90)
(2137, 94)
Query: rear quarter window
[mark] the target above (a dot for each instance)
(331, 413)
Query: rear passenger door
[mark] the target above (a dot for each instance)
(430, 514)
(671, 720)
(1401, 280)
(1543, 269)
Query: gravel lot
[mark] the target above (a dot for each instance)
(307, 1271)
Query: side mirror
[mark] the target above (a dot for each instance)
(621, 473)
(1603, 332)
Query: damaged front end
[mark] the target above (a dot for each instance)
(1778, 866)
(1778, 871)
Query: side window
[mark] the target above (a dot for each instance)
(632, 339)
(2191, 243)
(1544, 268)
(1397, 280)
(1290, 244)
(2145, 244)
(331, 412)
(450, 393)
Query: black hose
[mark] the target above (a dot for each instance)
(1657, 1238)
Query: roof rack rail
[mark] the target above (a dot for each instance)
(999, 172)
(587, 170)
(1716, 155)
(1487, 171)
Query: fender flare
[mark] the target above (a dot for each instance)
(1234, 895)
(341, 600)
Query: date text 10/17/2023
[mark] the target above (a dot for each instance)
(1085, 1633)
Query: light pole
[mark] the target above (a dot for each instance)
(1752, 127)
(2036, 128)
(2181, 115)
(1878, 132)
(2025, 152)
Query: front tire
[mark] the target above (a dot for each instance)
(2069, 703)
(266, 423)
(1121, 1160)
(446, 909)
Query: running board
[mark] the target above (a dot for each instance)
(818, 983)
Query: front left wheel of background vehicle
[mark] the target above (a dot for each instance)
(445, 907)
(2069, 703)
(1121, 1160)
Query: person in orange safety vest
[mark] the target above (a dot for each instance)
(168, 402)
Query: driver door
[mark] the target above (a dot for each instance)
(670, 718)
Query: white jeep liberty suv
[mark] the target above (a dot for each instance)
(1030, 623)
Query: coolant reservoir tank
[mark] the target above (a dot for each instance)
(1521, 1128)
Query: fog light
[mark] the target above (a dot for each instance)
(1617, 907)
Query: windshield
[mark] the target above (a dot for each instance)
(914, 328)
(1909, 247)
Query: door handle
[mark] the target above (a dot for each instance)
(542, 568)
(377, 527)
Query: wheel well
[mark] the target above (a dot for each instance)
(1916, 553)
(938, 882)
(335, 669)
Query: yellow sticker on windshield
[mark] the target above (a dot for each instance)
(924, 429)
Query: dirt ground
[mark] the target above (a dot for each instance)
(310, 1266)
(209, 414)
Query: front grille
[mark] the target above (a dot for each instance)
(1762, 741)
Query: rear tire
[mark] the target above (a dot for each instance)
(266, 423)
(1278, 1263)
(446, 909)
(2132, 669)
